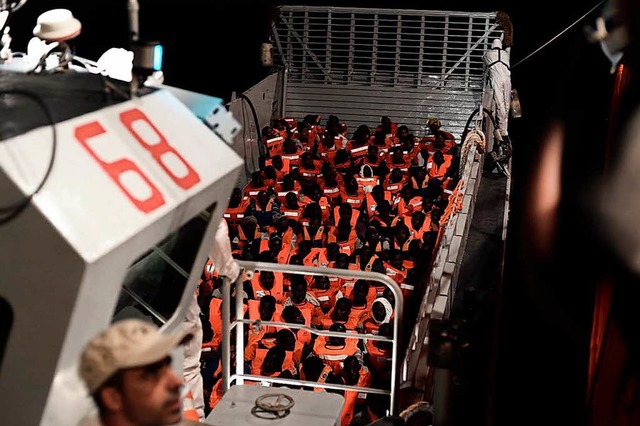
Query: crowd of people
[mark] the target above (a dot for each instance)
(373, 201)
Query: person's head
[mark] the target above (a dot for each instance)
(343, 229)
(383, 208)
(295, 259)
(276, 161)
(397, 156)
(333, 249)
(417, 219)
(360, 292)
(281, 223)
(351, 185)
(377, 192)
(256, 178)
(267, 279)
(304, 248)
(268, 132)
(337, 341)
(269, 172)
(381, 310)
(351, 370)
(342, 261)
(434, 125)
(236, 197)
(291, 200)
(385, 124)
(292, 315)
(267, 256)
(127, 370)
(328, 139)
(262, 199)
(312, 367)
(346, 211)
(298, 289)
(380, 139)
(286, 339)
(372, 235)
(438, 158)
(312, 210)
(342, 157)
(365, 255)
(267, 307)
(342, 309)
(275, 243)
(401, 233)
(307, 160)
(396, 175)
(396, 259)
(321, 282)
(289, 146)
(438, 142)
(406, 192)
(288, 182)
(372, 153)
(362, 134)
(273, 361)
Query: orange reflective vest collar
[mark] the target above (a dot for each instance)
(333, 355)
(439, 172)
(354, 200)
(252, 191)
(291, 213)
(236, 214)
(274, 145)
(317, 257)
(327, 298)
(407, 209)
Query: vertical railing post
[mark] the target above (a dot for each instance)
(239, 331)
(226, 333)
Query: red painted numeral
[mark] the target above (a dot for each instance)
(116, 168)
(160, 149)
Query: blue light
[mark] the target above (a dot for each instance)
(157, 57)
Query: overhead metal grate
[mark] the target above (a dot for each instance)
(361, 64)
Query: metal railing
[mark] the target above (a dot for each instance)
(238, 324)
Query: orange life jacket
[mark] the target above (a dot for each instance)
(335, 356)
(277, 291)
(236, 214)
(274, 145)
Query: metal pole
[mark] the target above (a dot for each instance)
(239, 331)
(134, 29)
(226, 337)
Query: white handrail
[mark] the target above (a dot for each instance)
(227, 325)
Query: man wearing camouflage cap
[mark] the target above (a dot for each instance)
(127, 370)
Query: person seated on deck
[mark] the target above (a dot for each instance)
(313, 369)
(334, 350)
(266, 283)
(342, 162)
(280, 165)
(354, 373)
(325, 293)
(358, 145)
(340, 314)
(303, 299)
(381, 313)
(438, 165)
